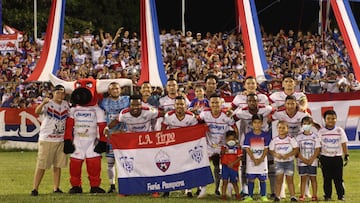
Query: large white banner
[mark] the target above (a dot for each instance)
(161, 161)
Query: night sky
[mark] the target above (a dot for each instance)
(219, 15)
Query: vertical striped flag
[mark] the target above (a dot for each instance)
(152, 66)
(349, 31)
(49, 61)
(256, 63)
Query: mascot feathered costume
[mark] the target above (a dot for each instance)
(84, 135)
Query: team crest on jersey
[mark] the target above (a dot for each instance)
(162, 160)
(196, 153)
(127, 163)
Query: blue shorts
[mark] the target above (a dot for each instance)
(261, 177)
(307, 170)
(286, 168)
(229, 173)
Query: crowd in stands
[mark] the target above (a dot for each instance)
(318, 64)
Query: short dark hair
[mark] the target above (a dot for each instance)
(288, 76)
(249, 77)
(290, 97)
(306, 119)
(329, 112)
(215, 95)
(252, 95)
(179, 97)
(230, 133)
(135, 97)
(211, 76)
(257, 117)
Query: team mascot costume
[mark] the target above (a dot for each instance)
(84, 135)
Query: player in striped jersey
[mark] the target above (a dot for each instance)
(291, 115)
(278, 98)
(250, 86)
(219, 123)
(178, 118)
(137, 118)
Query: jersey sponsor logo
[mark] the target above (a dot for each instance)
(331, 140)
(81, 114)
(162, 160)
(257, 151)
(308, 143)
(216, 127)
(138, 128)
(283, 148)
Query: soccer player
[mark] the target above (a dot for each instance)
(250, 86)
(333, 148)
(309, 150)
(245, 115)
(148, 100)
(178, 118)
(167, 102)
(137, 118)
(284, 148)
(219, 123)
(291, 115)
(51, 138)
(278, 98)
(256, 145)
(112, 105)
(230, 156)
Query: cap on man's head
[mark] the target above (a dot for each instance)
(59, 87)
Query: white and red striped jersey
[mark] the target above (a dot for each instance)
(218, 126)
(245, 116)
(331, 141)
(240, 100)
(52, 127)
(167, 103)
(171, 121)
(294, 123)
(278, 98)
(142, 123)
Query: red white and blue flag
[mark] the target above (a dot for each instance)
(49, 61)
(152, 66)
(162, 161)
(349, 31)
(256, 63)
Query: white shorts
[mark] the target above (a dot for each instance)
(84, 149)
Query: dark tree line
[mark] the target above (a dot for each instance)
(108, 15)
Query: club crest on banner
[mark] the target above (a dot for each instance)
(127, 163)
(196, 153)
(162, 160)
